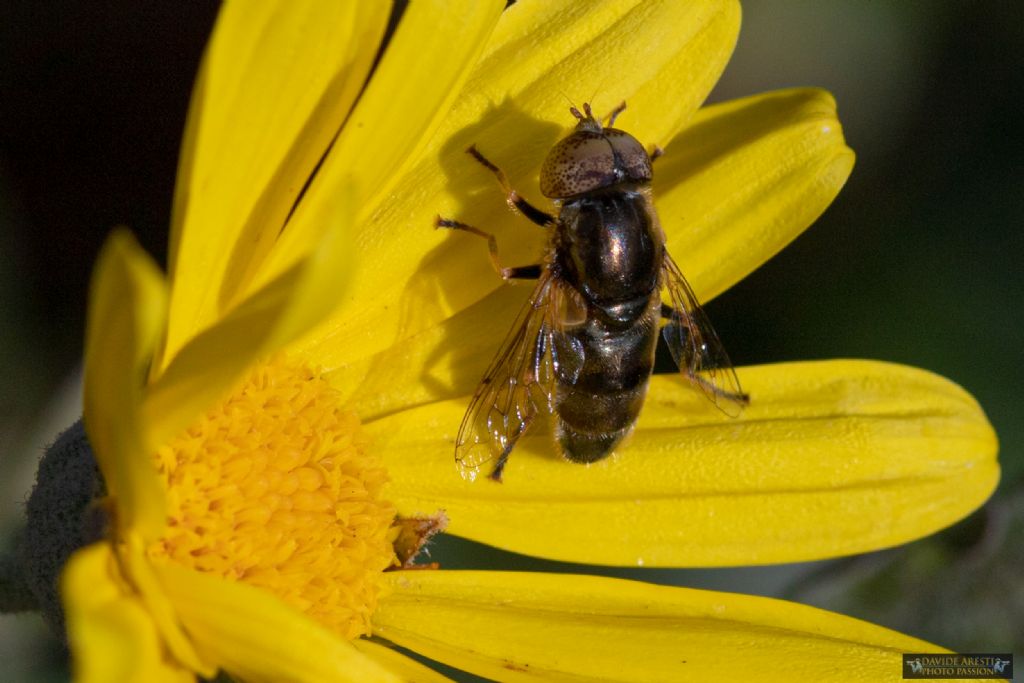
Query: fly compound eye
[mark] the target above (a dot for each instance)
(586, 161)
(630, 156)
(579, 163)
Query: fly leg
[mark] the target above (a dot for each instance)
(740, 398)
(499, 466)
(541, 218)
(655, 152)
(530, 272)
(614, 114)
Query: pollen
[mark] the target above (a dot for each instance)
(275, 487)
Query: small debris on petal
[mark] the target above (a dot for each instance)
(413, 534)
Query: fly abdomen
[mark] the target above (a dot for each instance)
(597, 408)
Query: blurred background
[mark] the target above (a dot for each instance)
(916, 262)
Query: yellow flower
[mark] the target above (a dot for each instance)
(250, 515)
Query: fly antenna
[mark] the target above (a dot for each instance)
(572, 105)
(597, 88)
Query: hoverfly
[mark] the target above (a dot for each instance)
(582, 348)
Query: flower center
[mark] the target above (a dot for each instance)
(274, 487)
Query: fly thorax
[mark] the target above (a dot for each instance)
(610, 251)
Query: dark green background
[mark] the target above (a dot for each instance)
(917, 261)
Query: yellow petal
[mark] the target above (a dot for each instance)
(139, 572)
(255, 636)
(831, 458)
(522, 626)
(426, 61)
(407, 668)
(111, 636)
(744, 179)
(127, 304)
(277, 80)
(438, 363)
(663, 57)
(290, 305)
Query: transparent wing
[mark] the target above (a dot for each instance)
(695, 346)
(519, 383)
